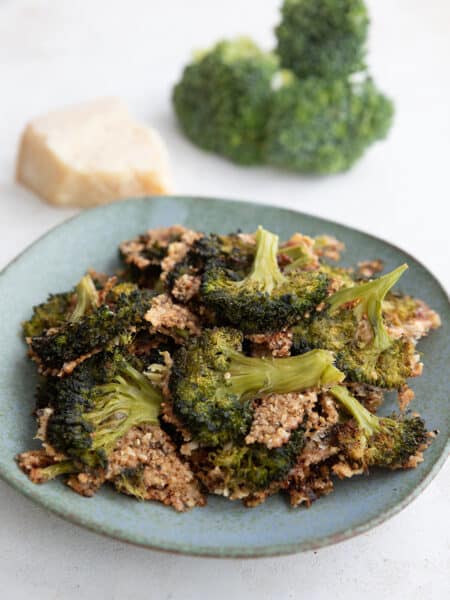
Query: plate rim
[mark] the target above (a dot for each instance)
(229, 551)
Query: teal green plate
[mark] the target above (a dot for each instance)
(222, 528)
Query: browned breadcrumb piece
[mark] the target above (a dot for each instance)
(86, 484)
(98, 276)
(315, 482)
(32, 462)
(165, 477)
(344, 470)
(247, 238)
(186, 287)
(420, 323)
(405, 396)
(277, 344)
(277, 415)
(369, 268)
(175, 253)
(370, 396)
(416, 366)
(327, 246)
(307, 244)
(257, 498)
(167, 317)
(107, 287)
(132, 250)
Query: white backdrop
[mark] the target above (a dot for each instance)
(65, 51)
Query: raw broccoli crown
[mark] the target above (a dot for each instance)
(51, 313)
(223, 98)
(322, 37)
(93, 331)
(213, 383)
(377, 441)
(324, 126)
(96, 406)
(249, 468)
(267, 299)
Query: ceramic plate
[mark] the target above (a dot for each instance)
(222, 528)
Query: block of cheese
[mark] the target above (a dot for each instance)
(91, 154)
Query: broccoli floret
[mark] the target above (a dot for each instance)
(97, 405)
(246, 469)
(44, 474)
(223, 99)
(323, 126)
(267, 299)
(213, 383)
(49, 314)
(322, 37)
(377, 441)
(93, 331)
(380, 360)
(87, 298)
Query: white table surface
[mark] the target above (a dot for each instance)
(65, 51)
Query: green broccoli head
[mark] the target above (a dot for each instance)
(246, 469)
(377, 359)
(267, 299)
(325, 38)
(125, 309)
(97, 405)
(51, 313)
(377, 441)
(213, 383)
(323, 126)
(223, 98)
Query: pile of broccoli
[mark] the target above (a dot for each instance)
(310, 106)
(117, 364)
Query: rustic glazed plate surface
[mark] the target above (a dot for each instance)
(222, 528)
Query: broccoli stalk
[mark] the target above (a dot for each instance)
(44, 474)
(125, 402)
(87, 298)
(265, 300)
(97, 405)
(377, 441)
(213, 383)
(369, 297)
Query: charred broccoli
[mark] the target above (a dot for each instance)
(353, 327)
(97, 405)
(223, 99)
(325, 38)
(125, 308)
(213, 383)
(267, 299)
(323, 126)
(247, 469)
(377, 441)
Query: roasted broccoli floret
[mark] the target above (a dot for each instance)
(213, 383)
(323, 126)
(246, 469)
(104, 325)
(267, 299)
(223, 99)
(49, 314)
(97, 405)
(377, 441)
(62, 307)
(322, 37)
(353, 328)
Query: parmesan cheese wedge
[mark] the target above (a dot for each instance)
(91, 154)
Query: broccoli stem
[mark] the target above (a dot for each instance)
(370, 298)
(127, 401)
(265, 270)
(366, 420)
(64, 467)
(248, 376)
(86, 298)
